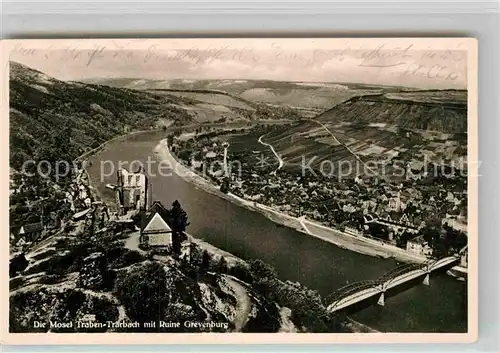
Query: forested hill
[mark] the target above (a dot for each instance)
(51, 118)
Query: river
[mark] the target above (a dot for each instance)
(440, 307)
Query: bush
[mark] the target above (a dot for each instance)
(14, 283)
(79, 251)
(221, 266)
(45, 254)
(59, 265)
(127, 258)
(56, 265)
(261, 270)
(266, 320)
(51, 279)
(242, 272)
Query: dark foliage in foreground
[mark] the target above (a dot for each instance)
(308, 311)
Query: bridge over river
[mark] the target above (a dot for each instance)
(358, 291)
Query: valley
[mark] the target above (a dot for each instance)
(346, 157)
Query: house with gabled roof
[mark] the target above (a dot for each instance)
(405, 220)
(156, 228)
(31, 232)
(395, 220)
(418, 246)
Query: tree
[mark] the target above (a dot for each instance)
(179, 224)
(224, 187)
(379, 231)
(222, 266)
(432, 235)
(308, 310)
(193, 264)
(262, 270)
(17, 264)
(402, 240)
(454, 240)
(205, 262)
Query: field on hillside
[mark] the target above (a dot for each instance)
(247, 144)
(320, 98)
(377, 132)
(438, 111)
(214, 98)
(203, 112)
(456, 97)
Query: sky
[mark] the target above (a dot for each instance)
(422, 63)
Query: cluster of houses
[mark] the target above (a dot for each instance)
(131, 195)
(78, 200)
(402, 208)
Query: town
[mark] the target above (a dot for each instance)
(111, 251)
(277, 195)
(424, 212)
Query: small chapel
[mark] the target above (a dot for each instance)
(156, 230)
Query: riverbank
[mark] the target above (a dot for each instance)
(296, 257)
(215, 252)
(358, 327)
(359, 244)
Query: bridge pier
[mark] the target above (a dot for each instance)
(427, 280)
(381, 300)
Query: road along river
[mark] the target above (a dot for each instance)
(440, 307)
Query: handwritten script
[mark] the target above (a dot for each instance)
(406, 60)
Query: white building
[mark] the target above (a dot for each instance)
(155, 229)
(418, 246)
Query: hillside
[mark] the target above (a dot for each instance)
(68, 277)
(211, 106)
(405, 127)
(50, 118)
(71, 267)
(44, 110)
(440, 111)
(210, 97)
(81, 270)
(310, 98)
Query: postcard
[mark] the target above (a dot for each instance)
(253, 190)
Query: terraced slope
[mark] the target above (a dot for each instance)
(405, 127)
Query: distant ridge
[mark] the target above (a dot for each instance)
(438, 110)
